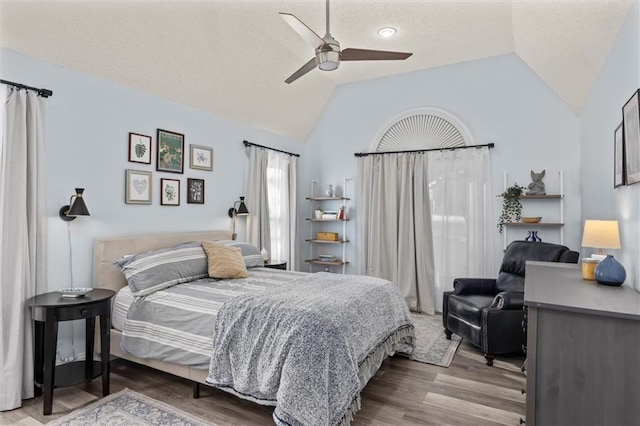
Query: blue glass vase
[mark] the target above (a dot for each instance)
(610, 272)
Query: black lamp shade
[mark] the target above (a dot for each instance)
(242, 208)
(239, 208)
(76, 207)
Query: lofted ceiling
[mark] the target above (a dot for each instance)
(231, 57)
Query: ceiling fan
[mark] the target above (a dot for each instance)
(328, 53)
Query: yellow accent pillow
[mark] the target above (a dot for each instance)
(224, 261)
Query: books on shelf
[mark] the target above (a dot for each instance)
(326, 258)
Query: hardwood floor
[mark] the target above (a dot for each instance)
(403, 392)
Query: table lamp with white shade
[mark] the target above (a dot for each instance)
(604, 234)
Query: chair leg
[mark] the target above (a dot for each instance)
(196, 390)
(447, 333)
(489, 358)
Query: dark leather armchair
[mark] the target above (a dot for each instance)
(489, 312)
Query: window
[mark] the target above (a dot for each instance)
(278, 195)
(424, 128)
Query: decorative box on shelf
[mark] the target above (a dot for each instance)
(327, 236)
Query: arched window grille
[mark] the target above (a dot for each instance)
(427, 128)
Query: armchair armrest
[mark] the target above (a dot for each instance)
(508, 301)
(569, 256)
(474, 286)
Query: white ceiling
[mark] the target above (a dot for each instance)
(231, 57)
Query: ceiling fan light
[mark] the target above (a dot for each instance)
(328, 61)
(387, 32)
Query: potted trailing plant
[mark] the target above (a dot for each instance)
(511, 205)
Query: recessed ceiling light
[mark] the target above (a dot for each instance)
(387, 32)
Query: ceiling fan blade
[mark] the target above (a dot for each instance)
(302, 71)
(305, 32)
(372, 55)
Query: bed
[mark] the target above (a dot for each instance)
(338, 349)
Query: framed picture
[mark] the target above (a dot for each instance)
(169, 192)
(618, 155)
(195, 191)
(201, 157)
(137, 187)
(139, 148)
(170, 152)
(631, 138)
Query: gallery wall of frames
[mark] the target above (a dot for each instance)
(169, 150)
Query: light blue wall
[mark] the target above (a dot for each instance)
(87, 125)
(618, 79)
(500, 100)
(86, 135)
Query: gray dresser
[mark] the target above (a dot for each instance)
(583, 349)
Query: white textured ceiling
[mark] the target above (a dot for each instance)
(231, 57)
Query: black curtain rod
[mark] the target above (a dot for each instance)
(45, 93)
(248, 144)
(366, 154)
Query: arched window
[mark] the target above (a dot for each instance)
(424, 128)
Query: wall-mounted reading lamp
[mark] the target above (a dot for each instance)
(239, 209)
(76, 207)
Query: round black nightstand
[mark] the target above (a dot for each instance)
(49, 309)
(276, 264)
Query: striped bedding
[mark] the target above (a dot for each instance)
(121, 304)
(176, 324)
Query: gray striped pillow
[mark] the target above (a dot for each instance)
(155, 270)
(250, 253)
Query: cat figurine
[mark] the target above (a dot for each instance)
(537, 186)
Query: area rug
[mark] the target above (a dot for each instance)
(131, 409)
(431, 345)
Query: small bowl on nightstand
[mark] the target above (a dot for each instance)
(73, 292)
(531, 219)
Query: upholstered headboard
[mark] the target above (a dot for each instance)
(106, 250)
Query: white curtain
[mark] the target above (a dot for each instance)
(258, 232)
(459, 187)
(22, 239)
(282, 182)
(396, 225)
(293, 212)
(272, 203)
